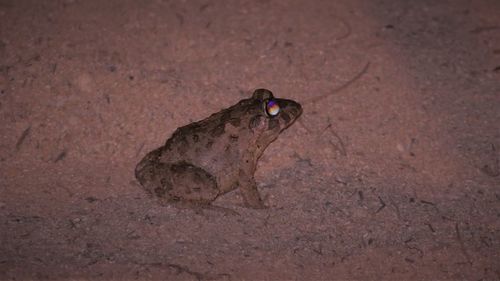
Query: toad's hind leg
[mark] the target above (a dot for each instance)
(177, 182)
(192, 184)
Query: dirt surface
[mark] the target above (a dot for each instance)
(391, 173)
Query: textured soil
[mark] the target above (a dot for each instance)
(391, 173)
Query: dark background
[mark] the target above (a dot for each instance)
(392, 172)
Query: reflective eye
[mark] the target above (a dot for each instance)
(272, 108)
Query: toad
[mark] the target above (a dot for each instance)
(216, 155)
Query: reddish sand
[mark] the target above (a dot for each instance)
(391, 173)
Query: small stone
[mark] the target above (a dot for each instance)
(400, 147)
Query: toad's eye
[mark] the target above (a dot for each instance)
(272, 108)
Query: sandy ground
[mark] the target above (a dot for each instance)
(391, 173)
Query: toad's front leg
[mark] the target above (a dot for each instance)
(249, 191)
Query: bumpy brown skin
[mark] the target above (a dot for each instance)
(216, 155)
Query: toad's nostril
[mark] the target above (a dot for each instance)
(296, 111)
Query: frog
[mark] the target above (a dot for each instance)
(211, 157)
